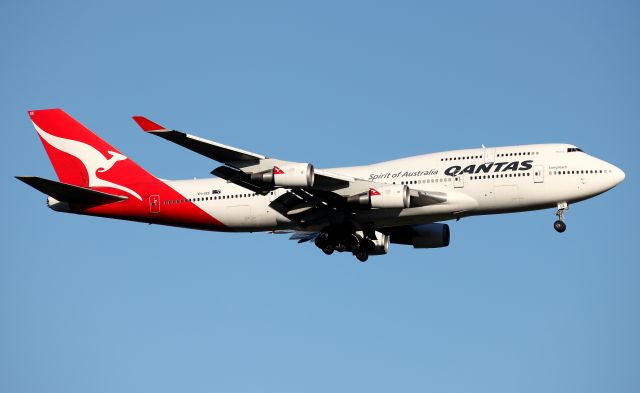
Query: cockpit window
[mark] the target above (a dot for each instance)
(572, 149)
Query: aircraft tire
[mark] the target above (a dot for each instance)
(559, 226)
(362, 255)
(328, 249)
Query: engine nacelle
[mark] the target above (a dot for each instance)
(377, 246)
(381, 244)
(392, 196)
(431, 236)
(287, 175)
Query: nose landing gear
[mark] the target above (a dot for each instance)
(559, 225)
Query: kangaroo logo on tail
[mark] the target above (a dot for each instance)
(91, 158)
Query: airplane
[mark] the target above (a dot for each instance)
(359, 209)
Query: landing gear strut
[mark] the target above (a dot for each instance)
(559, 225)
(341, 247)
(359, 247)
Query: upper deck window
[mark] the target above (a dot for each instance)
(572, 149)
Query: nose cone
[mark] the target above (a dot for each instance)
(618, 175)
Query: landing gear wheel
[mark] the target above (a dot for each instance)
(341, 247)
(560, 226)
(362, 255)
(328, 249)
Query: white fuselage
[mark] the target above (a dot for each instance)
(476, 181)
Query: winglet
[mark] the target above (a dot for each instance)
(147, 125)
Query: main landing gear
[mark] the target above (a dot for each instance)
(341, 241)
(559, 225)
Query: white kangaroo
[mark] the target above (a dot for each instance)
(91, 158)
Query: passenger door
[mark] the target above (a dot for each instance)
(154, 203)
(458, 181)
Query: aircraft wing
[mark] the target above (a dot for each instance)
(216, 151)
(233, 157)
(327, 199)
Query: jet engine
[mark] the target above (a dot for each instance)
(391, 196)
(380, 244)
(422, 236)
(287, 175)
(431, 236)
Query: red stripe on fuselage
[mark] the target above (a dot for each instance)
(186, 214)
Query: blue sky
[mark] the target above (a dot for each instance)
(89, 304)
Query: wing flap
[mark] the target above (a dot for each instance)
(303, 237)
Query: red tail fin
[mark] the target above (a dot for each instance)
(81, 158)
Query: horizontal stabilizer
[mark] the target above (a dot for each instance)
(70, 193)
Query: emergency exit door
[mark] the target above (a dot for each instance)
(154, 203)
(538, 174)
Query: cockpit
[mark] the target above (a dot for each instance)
(573, 149)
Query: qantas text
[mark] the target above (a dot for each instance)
(489, 167)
